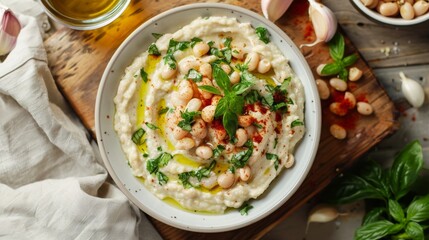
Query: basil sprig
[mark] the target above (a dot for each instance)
(340, 64)
(404, 215)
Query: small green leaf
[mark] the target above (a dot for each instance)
(221, 78)
(162, 178)
(244, 210)
(184, 179)
(188, 119)
(230, 123)
(210, 89)
(414, 231)
(296, 122)
(137, 136)
(152, 166)
(151, 126)
(236, 104)
(285, 84)
(271, 156)
(195, 40)
(218, 151)
(350, 60)
(418, 211)
(262, 34)
(252, 97)
(157, 35)
(227, 42)
(336, 47)
(376, 230)
(276, 140)
(181, 46)
(143, 74)
(221, 107)
(163, 111)
(332, 69)
(170, 61)
(395, 210)
(194, 75)
(153, 50)
(374, 215)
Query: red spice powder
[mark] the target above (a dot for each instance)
(257, 138)
(299, 7)
(308, 31)
(217, 125)
(361, 98)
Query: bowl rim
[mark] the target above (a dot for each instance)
(314, 142)
(392, 21)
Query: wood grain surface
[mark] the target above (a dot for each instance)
(78, 58)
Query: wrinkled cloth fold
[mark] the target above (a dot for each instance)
(52, 181)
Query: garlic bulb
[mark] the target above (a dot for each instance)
(412, 91)
(274, 9)
(324, 22)
(9, 30)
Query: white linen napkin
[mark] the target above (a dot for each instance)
(52, 182)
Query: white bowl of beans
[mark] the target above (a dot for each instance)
(394, 12)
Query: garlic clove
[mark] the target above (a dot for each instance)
(322, 213)
(324, 22)
(9, 30)
(274, 9)
(412, 91)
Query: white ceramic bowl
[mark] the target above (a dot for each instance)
(372, 14)
(279, 191)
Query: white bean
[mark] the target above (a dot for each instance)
(226, 180)
(264, 66)
(337, 131)
(355, 74)
(194, 105)
(420, 7)
(209, 182)
(338, 84)
(252, 61)
(200, 48)
(167, 72)
(370, 3)
(199, 129)
(245, 173)
(235, 77)
(323, 89)
(225, 67)
(177, 100)
(185, 90)
(179, 133)
(241, 136)
(290, 161)
(407, 11)
(364, 108)
(187, 64)
(237, 52)
(185, 143)
(204, 152)
(220, 134)
(250, 130)
(206, 70)
(388, 9)
(205, 82)
(229, 148)
(245, 120)
(336, 109)
(351, 99)
(207, 114)
(215, 100)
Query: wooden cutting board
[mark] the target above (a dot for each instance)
(77, 60)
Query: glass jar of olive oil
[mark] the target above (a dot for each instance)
(84, 14)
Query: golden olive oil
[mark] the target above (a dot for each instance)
(83, 9)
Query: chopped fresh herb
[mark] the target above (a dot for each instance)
(157, 35)
(257, 125)
(145, 155)
(251, 97)
(285, 84)
(199, 174)
(218, 151)
(210, 89)
(276, 140)
(271, 156)
(242, 67)
(162, 178)
(188, 119)
(159, 149)
(143, 74)
(216, 52)
(170, 61)
(262, 34)
(247, 80)
(137, 136)
(336, 50)
(151, 126)
(240, 159)
(227, 42)
(211, 43)
(129, 165)
(244, 210)
(195, 40)
(153, 165)
(194, 75)
(163, 110)
(184, 179)
(296, 122)
(182, 45)
(153, 50)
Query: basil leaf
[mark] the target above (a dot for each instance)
(218, 151)
(194, 75)
(374, 215)
(221, 78)
(216, 52)
(184, 179)
(143, 74)
(285, 84)
(164, 158)
(244, 210)
(376, 230)
(170, 61)
(336, 47)
(236, 104)
(296, 123)
(221, 107)
(227, 54)
(395, 210)
(343, 74)
(405, 169)
(153, 50)
(152, 166)
(271, 156)
(151, 126)
(162, 178)
(414, 231)
(350, 60)
(372, 172)
(230, 123)
(172, 46)
(332, 69)
(182, 45)
(252, 97)
(204, 172)
(351, 188)
(262, 34)
(227, 42)
(418, 210)
(188, 119)
(163, 110)
(157, 35)
(242, 67)
(210, 89)
(137, 136)
(243, 86)
(195, 40)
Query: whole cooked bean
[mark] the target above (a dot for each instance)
(355, 74)
(336, 109)
(237, 50)
(245, 120)
(235, 77)
(337, 131)
(206, 70)
(351, 99)
(264, 66)
(388, 9)
(194, 105)
(225, 67)
(370, 3)
(420, 7)
(209, 182)
(407, 11)
(200, 48)
(252, 61)
(338, 84)
(241, 136)
(179, 133)
(323, 89)
(204, 152)
(229, 148)
(205, 82)
(187, 64)
(290, 161)
(185, 143)
(167, 72)
(199, 129)
(177, 100)
(245, 173)
(207, 114)
(364, 108)
(226, 180)
(185, 90)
